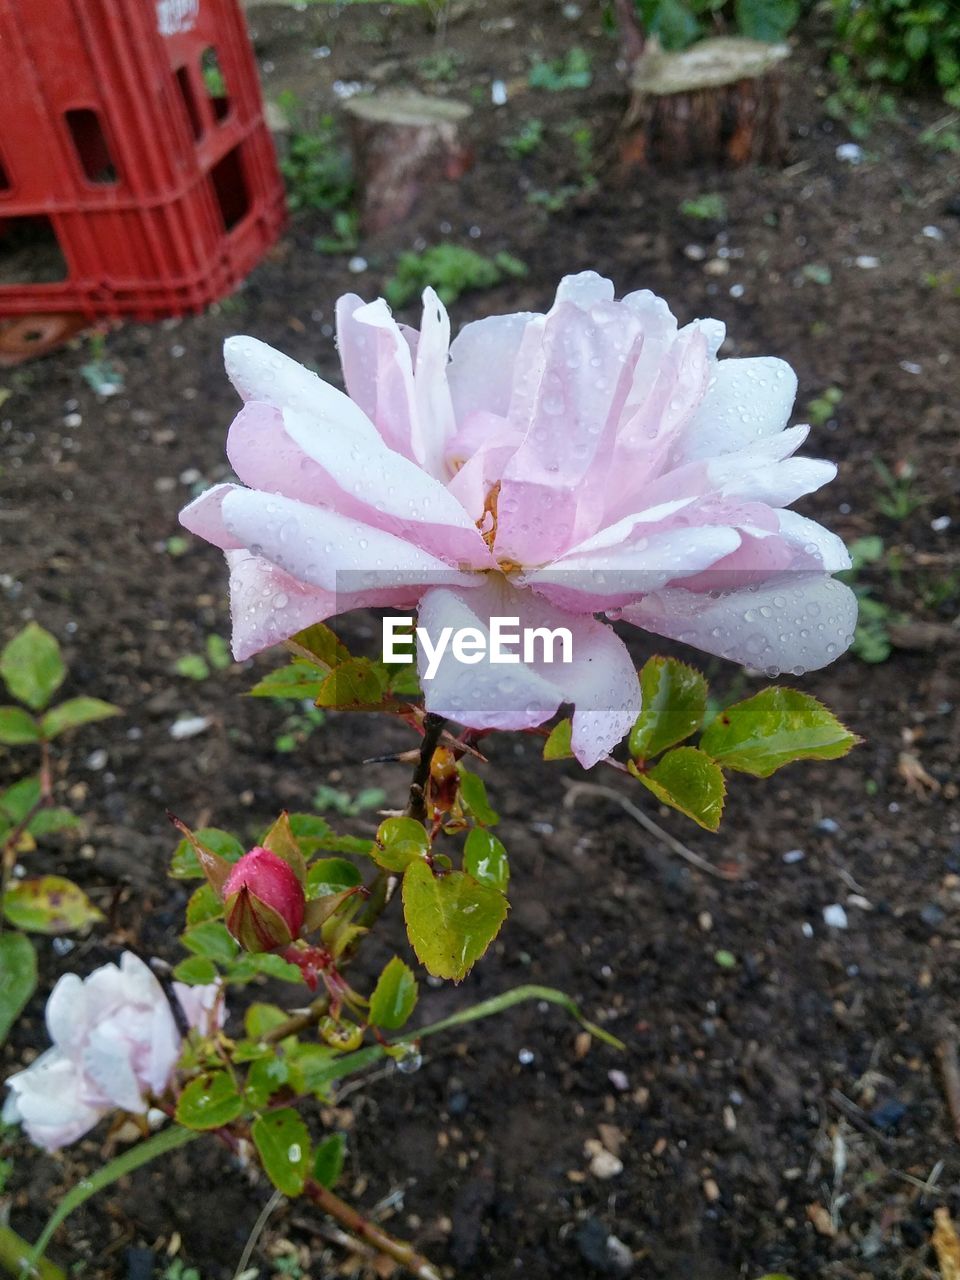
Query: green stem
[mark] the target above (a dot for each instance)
(15, 1259)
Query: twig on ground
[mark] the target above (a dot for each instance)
(369, 1232)
(950, 1070)
(577, 789)
(858, 1118)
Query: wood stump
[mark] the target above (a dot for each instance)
(402, 144)
(716, 103)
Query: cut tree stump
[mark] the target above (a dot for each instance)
(716, 103)
(402, 144)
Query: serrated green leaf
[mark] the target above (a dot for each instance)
(76, 712)
(209, 1102)
(319, 644)
(473, 794)
(329, 876)
(451, 919)
(195, 971)
(17, 727)
(212, 940)
(309, 830)
(18, 978)
(283, 1143)
(203, 905)
(398, 842)
(49, 904)
(300, 680)
(558, 744)
(267, 1076)
(32, 666)
(485, 858)
(261, 1018)
(358, 682)
(689, 780)
(774, 728)
(246, 967)
(394, 997)
(328, 1161)
(184, 864)
(673, 704)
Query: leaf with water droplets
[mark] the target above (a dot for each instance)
(399, 841)
(209, 1102)
(451, 918)
(558, 744)
(283, 1144)
(394, 997)
(774, 728)
(485, 858)
(473, 793)
(674, 701)
(687, 780)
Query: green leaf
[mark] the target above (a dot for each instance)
(192, 666)
(772, 729)
(97, 1180)
(331, 875)
(195, 971)
(320, 645)
(473, 794)
(267, 1076)
(687, 779)
(203, 905)
(281, 841)
(673, 704)
(300, 680)
(75, 712)
(394, 997)
(261, 1018)
(209, 1102)
(49, 904)
(398, 842)
(17, 801)
(557, 745)
(675, 24)
(32, 666)
(184, 864)
(328, 1161)
(218, 653)
(451, 919)
(309, 831)
(47, 821)
(768, 20)
(18, 978)
(283, 1142)
(358, 682)
(485, 858)
(246, 967)
(17, 727)
(212, 940)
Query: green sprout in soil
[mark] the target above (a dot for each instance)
(525, 141)
(896, 498)
(331, 800)
(572, 71)
(821, 409)
(451, 270)
(710, 207)
(200, 666)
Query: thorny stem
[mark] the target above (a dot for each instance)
(432, 731)
(369, 1232)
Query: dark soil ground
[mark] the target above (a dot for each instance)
(785, 1114)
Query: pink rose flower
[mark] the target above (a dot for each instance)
(115, 1044)
(594, 460)
(264, 901)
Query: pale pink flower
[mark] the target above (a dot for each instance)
(115, 1044)
(595, 460)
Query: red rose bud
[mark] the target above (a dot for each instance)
(263, 902)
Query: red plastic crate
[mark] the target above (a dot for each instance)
(137, 175)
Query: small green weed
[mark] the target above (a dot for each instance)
(451, 270)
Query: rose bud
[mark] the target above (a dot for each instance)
(263, 901)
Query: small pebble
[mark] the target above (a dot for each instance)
(939, 524)
(828, 826)
(97, 759)
(525, 1057)
(189, 727)
(695, 252)
(850, 153)
(357, 264)
(604, 1165)
(807, 929)
(910, 366)
(932, 233)
(793, 855)
(498, 93)
(619, 1080)
(835, 916)
(867, 262)
(932, 915)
